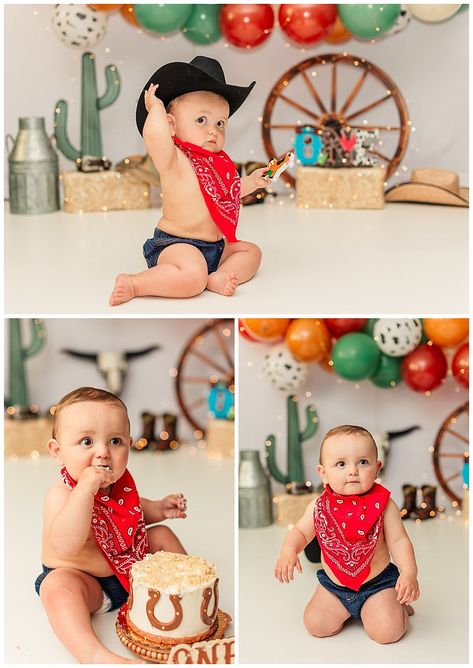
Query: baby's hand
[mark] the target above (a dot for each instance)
(150, 97)
(407, 589)
(174, 506)
(258, 180)
(284, 570)
(94, 478)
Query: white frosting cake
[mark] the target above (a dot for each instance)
(173, 598)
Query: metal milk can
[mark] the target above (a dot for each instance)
(254, 492)
(33, 169)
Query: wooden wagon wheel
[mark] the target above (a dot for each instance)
(449, 452)
(207, 358)
(323, 90)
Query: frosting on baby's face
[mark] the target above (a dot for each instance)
(200, 118)
(350, 464)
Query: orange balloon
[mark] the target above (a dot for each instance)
(265, 329)
(128, 14)
(446, 331)
(105, 8)
(327, 364)
(338, 33)
(308, 339)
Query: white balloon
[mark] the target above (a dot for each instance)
(79, 26)
(282, 369)
(433, 13)
(397, 338)
(402, 21)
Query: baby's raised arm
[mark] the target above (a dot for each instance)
(402, 551)
(157, 133)
(296, 540)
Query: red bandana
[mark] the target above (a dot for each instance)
(219, 183)
(348, 528)
(118, 525)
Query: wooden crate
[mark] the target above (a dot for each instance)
(344, 188)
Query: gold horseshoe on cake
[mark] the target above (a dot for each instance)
(175, 599)
(206, 596)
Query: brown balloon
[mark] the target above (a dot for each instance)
(308, 339)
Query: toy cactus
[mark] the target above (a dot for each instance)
(90, 158)
(294, 480)
(18, 396)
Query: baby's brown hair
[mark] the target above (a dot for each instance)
(348, 429)
(86, 394)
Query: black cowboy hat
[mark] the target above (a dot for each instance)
(202, 73)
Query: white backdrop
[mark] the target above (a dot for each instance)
(148, 385)
(339, 402)
(428, 62)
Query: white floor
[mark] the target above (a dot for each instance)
(270, 613)
(207, 532)
(406, 258)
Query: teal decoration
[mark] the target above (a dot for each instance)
(466, 472)
(369, 327)
(221, 401)
(162, 18)
(388, 373)
(294, 478)
(355, 356)
(91, 105)
(18, 394)
(368, 21)
(307, 145)
(202, 27)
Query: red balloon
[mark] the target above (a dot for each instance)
(424, 368)
(246, 26)
(340, 326)
(461, 365)
(307, 24)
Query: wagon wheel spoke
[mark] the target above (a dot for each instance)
(457, 435)
(224, 349)
(452, 477)
(299, 107)
(379, 154)
(282, 127)
(442, 454)
(196, 403)
(195, 379)
(353, 93)
(333, 99)
(208, 360)
(384, 128)
(369, 107)
(314, 92)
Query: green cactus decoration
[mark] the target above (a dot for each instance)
(90, 133)
(294, 481)
(18, 395)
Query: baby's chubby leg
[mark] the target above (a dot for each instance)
(181, 272)
(239, 263)
(69, 597)
(162, 538)
(325, 615)
(384, 618)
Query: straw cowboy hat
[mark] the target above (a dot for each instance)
(430, 186)
(202, 73)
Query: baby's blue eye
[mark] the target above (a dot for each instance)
(86, 442)
(116, 441)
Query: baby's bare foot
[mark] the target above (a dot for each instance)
(123, 290)
(104, 656)
(225, 283)
(409, 609)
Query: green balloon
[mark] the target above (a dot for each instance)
(388, 373)
(356, 356)
(368, 21)
(162, 18)
(203, 24)
(464, 8)
(369, 327)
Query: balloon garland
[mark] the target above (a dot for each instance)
(385, 351)
(246, 27)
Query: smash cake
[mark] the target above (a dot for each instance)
(173, 599)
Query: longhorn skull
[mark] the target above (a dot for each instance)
(111, 364)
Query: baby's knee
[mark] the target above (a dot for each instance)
(193, 281)
(320, 627)
(60, 582)
(159, 537)
(386, 635)
(256, 252)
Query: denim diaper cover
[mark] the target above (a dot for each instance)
(114, 593)
(354, 600)
(211, 250)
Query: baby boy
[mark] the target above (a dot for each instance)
(183, 115)
(94, 522)
(359, 529)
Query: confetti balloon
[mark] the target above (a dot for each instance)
(128, 13)
(340, 326)
(402, 21)
(267, 330)
(425, 368)
(397, 337)
(308, 339)
(461, 365)
(368, 21)
(79, 26)
(307, 24)
(162, 18)
(388, 373)
(246, 26)
(433, 13)
(446, 331)
(355, 356)
(282, 369)
(202, 27)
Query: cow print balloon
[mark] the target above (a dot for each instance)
(402, 21)
(397, 338)
(283, 371)
(79, 26)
